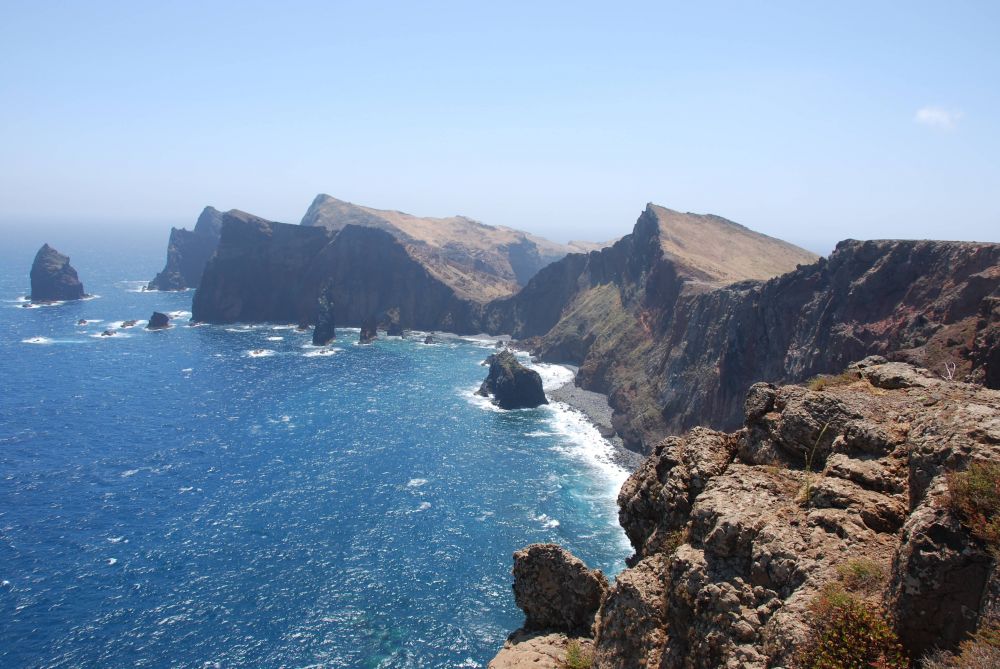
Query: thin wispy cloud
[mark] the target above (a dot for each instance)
(938, 117)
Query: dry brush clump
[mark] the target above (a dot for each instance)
(975, 496)
(982, 651)
(577, 657)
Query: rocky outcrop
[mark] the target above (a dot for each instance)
(369, 331)
(53, 279)
(158, 321)
(188, 251)
(737, 535)
(512, 385)
(556, 590)
(538, 650)
(325, 330)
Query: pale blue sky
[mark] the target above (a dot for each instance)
(808, 121)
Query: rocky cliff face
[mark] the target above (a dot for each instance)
(843, 490)
(676, 340)
(266, 271)
(188, 251)
(53, 279)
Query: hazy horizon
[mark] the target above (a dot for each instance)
(811, 124)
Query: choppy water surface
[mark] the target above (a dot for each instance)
(233, 497)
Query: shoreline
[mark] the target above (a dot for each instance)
(598, 411)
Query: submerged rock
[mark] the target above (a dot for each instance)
(53, 279)
(158, 321)
(556, 590)
(512, 385)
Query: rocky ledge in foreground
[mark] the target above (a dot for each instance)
(512, 385)
(839, 511)
(53, 279)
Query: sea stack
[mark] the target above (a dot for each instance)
(324, 332)
(512, 385)
(369, 331)
(53, 279)
(158, 321)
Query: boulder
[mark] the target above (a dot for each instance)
(512, 385)
(556, 590)
(53, 279)
(158, 321)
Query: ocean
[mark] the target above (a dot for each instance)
(230, 496)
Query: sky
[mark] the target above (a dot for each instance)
(812, 122)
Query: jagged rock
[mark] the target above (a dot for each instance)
(129, 323)
(53, 279)
(430, 339)
(939, 579)
(188, 251)
(325, 330)
(82, 321)
(158, 321)
(538, 650)
(393, 328)
(512, 385)
(369, 331)
(556, 590)
(733, 547)
(108, 333)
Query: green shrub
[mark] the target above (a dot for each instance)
(577, 657)
(975, 496)
(861, 575)
(849, 633)
(824, 381)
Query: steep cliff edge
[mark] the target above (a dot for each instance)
(53, 279)
(750, 545)
(188, 251)
(674, 322)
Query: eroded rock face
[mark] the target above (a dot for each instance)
(512, 385)
(369, 331)
(556, 590)
(53, 279)
(735, 536)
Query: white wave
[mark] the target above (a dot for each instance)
(284, 327)
(137, 286)
(241, 329)
(478, 401)
(179, 314)
(114, 334)
(187, 370)
(423, 507)
(112, 562)
(117, 540)
(553, 376)
(546, 521)
(129, 472)
(275, 338)
(260, 353)
(36, 340)
(539, 433)
(318, 352)
(416, 483)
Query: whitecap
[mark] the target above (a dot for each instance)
(275, 338)
(129, 472)
(116, 540)
(423, 507)
(187, 370)
(179, 314)
(112, 561)
(36, 340)
(539, 433)
(321, 352)
(260, 353)
(416, 483)
(547, 521)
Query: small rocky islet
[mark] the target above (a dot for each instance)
(53, 278)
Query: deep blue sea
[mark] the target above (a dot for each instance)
(174, 499)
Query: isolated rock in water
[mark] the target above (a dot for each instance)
(129, 323)
(53, 279)
(108, 333)
(392, 325)
(158, 321)
(325, 332)
(512, 385)
(369, 331)
(430, 339)
(556, 590)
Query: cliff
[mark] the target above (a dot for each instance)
(188, 252)
(675, 323)
(478, 262)
(267, 271)
(53, 279)
(837, 513)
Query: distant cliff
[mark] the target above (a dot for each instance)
(188, 252)
(267, 271)
(53, 279)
